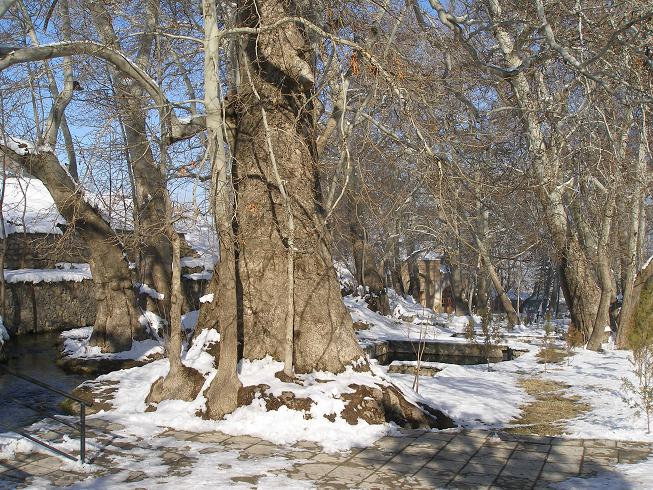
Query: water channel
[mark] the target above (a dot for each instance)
(32, 355)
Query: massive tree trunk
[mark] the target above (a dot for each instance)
(116, 321)
(277, 90)
(275, 267)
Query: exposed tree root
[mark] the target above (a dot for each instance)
(372, 404)
(183, 383)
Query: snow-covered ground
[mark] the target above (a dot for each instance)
(472, 396)
(477, 398)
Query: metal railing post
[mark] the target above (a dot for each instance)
(82, 432)
(82, 416)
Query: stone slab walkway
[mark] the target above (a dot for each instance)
(414, 459)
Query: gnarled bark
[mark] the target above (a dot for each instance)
(116, 320)
(279, 70)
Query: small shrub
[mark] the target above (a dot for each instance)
(548, 343)
(573, 340)
(491, 334)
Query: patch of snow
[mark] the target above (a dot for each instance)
(28, 207)
(4, 335)
(207, 298)
(189, 320)
(153, 323)
(282, 426)
(62, 272)
(345, 277)
(19, 146)
(199, 276)
(149, 291)
(76, 345)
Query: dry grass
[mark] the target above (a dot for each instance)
(552, 355)
(551, 408)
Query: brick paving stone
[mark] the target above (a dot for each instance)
(453, 454)
(253, 440)
(259, 450)
(375, 454)
(328, 458)
(559, 453)
(644, 446)
(535, 439)
(429, 443)
(564, 467)
(313, 471)
(566, 442)
(607, 452)
(466, 442)
(420, 451)
(445, 464)
(599, 443)
(493, 453)
(556, 476)
(492, 443)
(398, 467)
(413, 465)
(481, 468)
(180, 434)
(210, 437)
(384, 480)
(529, 455)
(481, 434)
(532, 447)
(392, 443)
(351, 473)
(511, 482)
(480, 479)
(438, 436)
(590, 468)
(517, 468)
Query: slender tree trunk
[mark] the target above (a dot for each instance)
(181, 382)
(636, 217)
(513, 319)
(579, 285)
(605, 279)
(224, 313)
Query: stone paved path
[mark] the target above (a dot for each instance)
(416, 459)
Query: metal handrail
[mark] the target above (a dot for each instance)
(82, 416)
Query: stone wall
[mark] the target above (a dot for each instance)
(48, 306)
(43, 251)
